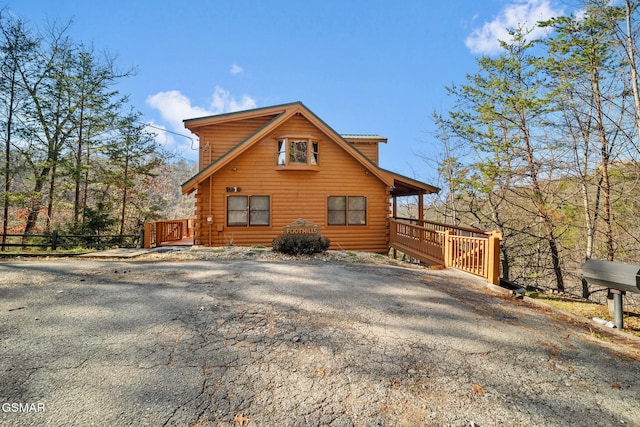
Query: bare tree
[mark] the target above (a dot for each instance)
(16, 45)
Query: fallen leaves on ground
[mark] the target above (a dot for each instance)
(477, 389)
(240, 419)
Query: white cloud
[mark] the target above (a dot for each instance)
(174, 107)
(223, 102)
(236, 69)
(520, 13)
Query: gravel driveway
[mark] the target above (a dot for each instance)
(266, 343)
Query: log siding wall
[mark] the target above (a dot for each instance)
(293, 193)
(369, 149)
(219, 139)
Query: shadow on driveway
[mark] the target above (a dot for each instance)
(293, 343)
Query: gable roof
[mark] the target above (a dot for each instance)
(281, 113)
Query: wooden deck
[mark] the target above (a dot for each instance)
(185, 241)
(467, 249)
(177, 232)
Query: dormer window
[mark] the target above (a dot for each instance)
(297, 152)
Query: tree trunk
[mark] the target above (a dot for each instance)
(605, 159)
(85, 189)
(7, 163)
(124, 195)
(36, 204)
(547, 223)
(590, 220)
(497, 220)
(52, 188)
(631, 57)
(77, 175)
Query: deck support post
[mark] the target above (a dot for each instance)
(147, 234)
(447, 249)
(493, 275)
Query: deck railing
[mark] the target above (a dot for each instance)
(467, 249)
(159, 232)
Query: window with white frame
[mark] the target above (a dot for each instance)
(298, 152)
(248, 210)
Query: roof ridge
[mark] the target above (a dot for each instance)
(250, 110)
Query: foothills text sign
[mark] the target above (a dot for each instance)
(301, 226)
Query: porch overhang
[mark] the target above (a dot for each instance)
(404, 186)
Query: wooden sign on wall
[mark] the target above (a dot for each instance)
(301, 226)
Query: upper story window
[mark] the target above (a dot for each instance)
(301, 152)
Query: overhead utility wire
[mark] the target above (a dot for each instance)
(169, 131)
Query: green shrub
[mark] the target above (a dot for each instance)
(300, 244)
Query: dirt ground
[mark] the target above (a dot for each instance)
(246, 337)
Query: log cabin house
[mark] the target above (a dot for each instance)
(261, 170)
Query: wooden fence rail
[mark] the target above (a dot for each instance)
(55, 240)
(466, 249)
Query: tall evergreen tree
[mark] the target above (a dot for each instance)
(502, 111)
(582, 56)
(98, 107)
(133, 157)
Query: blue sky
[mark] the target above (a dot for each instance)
(363, 66)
